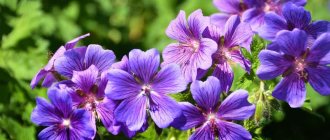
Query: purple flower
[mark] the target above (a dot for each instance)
(212, 119)
(235, 34)
(256, 14)
(192, 52)
(61, 120)
(142, 89)
(79, 59)
(227, 9)
(293, 17)
(297, 63)
(86, 89)
(123, 64)
(48, 71)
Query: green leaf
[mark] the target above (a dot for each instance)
(16, 130)
(24, 25)
(307, 105)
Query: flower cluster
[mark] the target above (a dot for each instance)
(87, 85)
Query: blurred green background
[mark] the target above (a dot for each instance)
(31, 29)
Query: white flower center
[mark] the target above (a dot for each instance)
(146, 90)
(195, 44)
(267, 8)
(299, 65)
(211, 117)
(66, 122)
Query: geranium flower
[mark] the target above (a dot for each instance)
(293, 17)
(141, 90)
(297, 63)
(235, 35)
(62, 121)
(192, 52)
(212, 119)
(79, 59)
(255, 16)
(48, 71)
(228, 8)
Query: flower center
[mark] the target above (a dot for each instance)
(212, 122)
(90, 101)
(267, 8)
(211, 118)
(271, 6)
(146, 90)
(226, 54)
(66, 123)
(299, 65)
(299, 68)
(195, 44)
(223, 54)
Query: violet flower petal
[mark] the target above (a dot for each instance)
(61, 101)
(121, 85)
(197, 23)
(72, 60)
(132, 111)
(232, 131)
(236, 106)
(292, 90)
(292, 42)
(296, 16)
(163, 110)
(191, 117)
(178, 30)
(73, 42)
(317, 28)
(228, 6)
(44, 114)
(203, 133)
(53, 133)
(105, 112)
(320, 50)
(319, 79)
(49, 80)
(219, 20)
(41, 74)
(273, 24)
(237, 33)
(122, 64)
(225, 74)
(96, 55)
(255, 17)
(272, 64)
(206, 94)
(86, 79)
(238, 57)
(81, 125)
(169, 80)
(144, 64)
